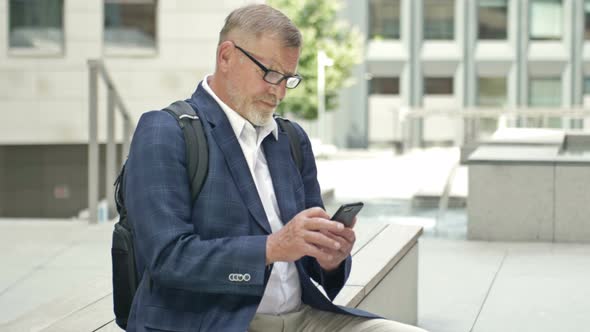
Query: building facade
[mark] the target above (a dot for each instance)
(455, 54)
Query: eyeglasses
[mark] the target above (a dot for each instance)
(272, 76)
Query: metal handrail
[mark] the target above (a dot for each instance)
(411, 118)
(96, 68)
(482, 112)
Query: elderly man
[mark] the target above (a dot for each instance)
(243, 255)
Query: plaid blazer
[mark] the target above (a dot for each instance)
(190, 251)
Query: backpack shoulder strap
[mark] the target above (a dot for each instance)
(294, 140)
(197, 153)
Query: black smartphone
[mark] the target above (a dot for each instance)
(347, 212)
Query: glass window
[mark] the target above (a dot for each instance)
(493, 19)
(491, 91)
(587, 85)
(384, 19)
(546, 20)
(544, 92)
(579, 123)
(439, 19)
(36, 25)
(587, 19)
(384, 86)
(129, 26)
(438, 85)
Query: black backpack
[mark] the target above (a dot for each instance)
(125, 274)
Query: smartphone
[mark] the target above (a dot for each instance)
(347, 212)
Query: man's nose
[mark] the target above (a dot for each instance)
(279, 90)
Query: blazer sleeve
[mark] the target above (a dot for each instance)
(333, 281)
(158, 202)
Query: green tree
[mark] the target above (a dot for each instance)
(321, 30)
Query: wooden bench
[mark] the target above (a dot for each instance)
(383, 280)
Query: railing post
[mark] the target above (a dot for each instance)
(406, 126)
(96, 68)
(470, 131)
(93, 143)
(416, 126)
(126, 138)
(111, 160)
(411, 130)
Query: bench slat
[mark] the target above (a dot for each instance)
(350, 296)
(379, 256)
(365, 232)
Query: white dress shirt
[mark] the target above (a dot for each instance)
(283, 292)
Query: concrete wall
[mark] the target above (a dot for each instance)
(441, 128)
(529, 202)
(384, 119)
(510, 202)
(572, 210)
(46, 181)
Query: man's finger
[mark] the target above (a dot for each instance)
(347, 234)
(318, 224)
(321, 240)
(337, 237)
(316, 212)
(319, 254)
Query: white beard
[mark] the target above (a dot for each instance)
(258, 117)
(255, 116)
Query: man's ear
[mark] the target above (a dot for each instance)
(224, 56)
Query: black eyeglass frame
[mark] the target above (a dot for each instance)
(267, 71)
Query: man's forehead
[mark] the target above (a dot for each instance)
(276, 55)
(269, 49)
(287, 62)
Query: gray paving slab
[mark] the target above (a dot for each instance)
(84, 256)
(454, 278)
(31, 246)
(27, 246)
(52, 312)
(44, 286)
(11, 275)
(540, 287)
(44, 259)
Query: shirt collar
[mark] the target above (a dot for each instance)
(237, 122)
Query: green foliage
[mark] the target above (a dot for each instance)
(321, 30)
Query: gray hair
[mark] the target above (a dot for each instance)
(258, 19)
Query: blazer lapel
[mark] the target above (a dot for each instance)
(278, 157)
(238, 167)
(225, 138)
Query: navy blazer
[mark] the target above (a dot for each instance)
(190, 250)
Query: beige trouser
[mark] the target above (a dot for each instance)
(309, 319)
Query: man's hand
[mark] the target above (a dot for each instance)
(309, 233)
(346, 237)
